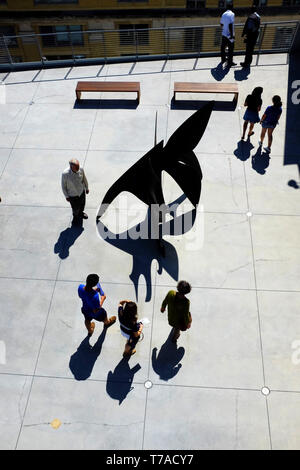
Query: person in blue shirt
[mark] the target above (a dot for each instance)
(270, 120)
(92, 297)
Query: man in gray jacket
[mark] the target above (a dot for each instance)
(75, 186)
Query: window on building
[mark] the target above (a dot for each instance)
(39, 2)
(8, 31)
(3, 2)
(291, 2)
(56, 36)
(131, 34)
(195, 4)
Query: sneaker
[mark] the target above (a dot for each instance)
(231, 64)
(260, 143)
(267, 149)
(110, 322)
(84, 215)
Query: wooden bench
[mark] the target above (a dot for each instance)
(189, 87)
(108, 86)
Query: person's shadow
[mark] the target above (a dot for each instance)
(242, 74)
(83, 360)
(166, 363)
(219, 72)
(260, 161)
(119, 382)
(66, 239)
(242, 152)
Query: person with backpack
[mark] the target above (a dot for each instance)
(179, 316)
(251, 31)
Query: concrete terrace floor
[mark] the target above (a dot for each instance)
(242, 261)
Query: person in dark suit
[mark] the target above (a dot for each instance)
(251, 31)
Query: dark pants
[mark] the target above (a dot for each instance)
(230, 45)
(78, 204)
(250, 45)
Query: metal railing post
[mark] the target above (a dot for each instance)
(104, 47)
(39, 48)
(168, 42)
(6, 49)
(135, 42)
(260, 43)
(71, 44)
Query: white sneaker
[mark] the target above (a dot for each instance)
(267, 149)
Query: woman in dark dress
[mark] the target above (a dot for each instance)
(131, 329)
(253, 103)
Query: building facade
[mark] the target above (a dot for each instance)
(62, 29)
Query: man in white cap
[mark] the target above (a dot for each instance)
(75, 186)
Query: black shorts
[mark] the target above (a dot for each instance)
(99, 316)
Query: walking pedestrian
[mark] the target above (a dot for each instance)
(179, 316)
(131, 329)
(93, 297)
(227, 23)
(75, 186)
(270, 120)
(253, 103)
(251, 31)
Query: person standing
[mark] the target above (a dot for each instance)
(251, 31)
(227, 23)
(93, 297)
(75, 186)
(270, 120)
(253, 103)
(179, 316)
(129, 325)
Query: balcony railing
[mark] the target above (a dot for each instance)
(101, 46)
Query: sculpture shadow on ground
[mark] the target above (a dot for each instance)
(66, 239)
(145, 251)
(219, 72)
(119, 382)
(166, 363)
(260, 161)
(83, 360)
(243, 150)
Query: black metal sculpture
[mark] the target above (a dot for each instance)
(177, 158)
(144, 180)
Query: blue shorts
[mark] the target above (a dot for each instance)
(99, 316)
(265, 125)
(251, 116)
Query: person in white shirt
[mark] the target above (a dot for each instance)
(75, 186)
(227, 23)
